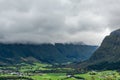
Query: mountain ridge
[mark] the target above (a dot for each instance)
(50, 53)
(107, 56)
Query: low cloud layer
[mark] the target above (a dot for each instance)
(41, 21)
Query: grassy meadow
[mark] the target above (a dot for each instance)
(39, 71)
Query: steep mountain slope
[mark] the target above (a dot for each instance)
(58, 53)
(107, 56)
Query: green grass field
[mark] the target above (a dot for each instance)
(39, 71)
(103, 75)
(50, 76)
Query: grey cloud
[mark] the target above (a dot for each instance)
(57, 20)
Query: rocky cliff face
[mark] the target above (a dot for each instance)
(107, 56)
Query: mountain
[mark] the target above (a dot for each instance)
(49, 53)
(107, 56)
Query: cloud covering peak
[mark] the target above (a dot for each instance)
(40, 21)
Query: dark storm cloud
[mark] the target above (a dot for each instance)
(41, 21)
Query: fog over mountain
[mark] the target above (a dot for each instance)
(53, 21)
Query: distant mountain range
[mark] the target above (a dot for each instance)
(107, 56)
(48, 53)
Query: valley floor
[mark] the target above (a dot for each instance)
(39, 71)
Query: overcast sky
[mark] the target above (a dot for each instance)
(41, 21)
